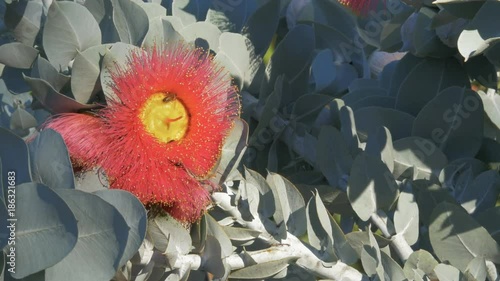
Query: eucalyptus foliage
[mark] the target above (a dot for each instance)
(368, 147)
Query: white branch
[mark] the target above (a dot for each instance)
(194, 262)
(290, 247)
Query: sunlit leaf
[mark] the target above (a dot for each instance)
(406, 216)
(131, 21)
(458, 238)
(169, 235)
(421, 260)
(79, 27)
(292, 203)
(17, 55)
(371, 186)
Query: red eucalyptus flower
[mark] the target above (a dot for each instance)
(360, 7)
(162, 136)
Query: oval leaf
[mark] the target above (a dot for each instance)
(24, 18)
(261, 26)
(380, 145)
(319, 230)
(46, 229)
(102, 237)
(291, 56)
(368, 119)
(44, 70)
(85, 73)
(134, 214)
(233, 150)
(419, 261)
(333, 157)
(371, 186)
(215, 230)
(229, 16)
(79, 27)
(169, 235)
(52, 100)
(22, 119)
(489, 220)
(413, 95)
(114, 59)
(426, 159)
(163, 30)
(240, 236)
(17, 55)
(131, 21)
(190, 11)
(15, 158)
(453, 121)
(50, 162)
(479, 33)
(406, 216)
(456, 237)
(292, 203)
(447, 272)
(202, 34)
(482, 193)
(392, 270)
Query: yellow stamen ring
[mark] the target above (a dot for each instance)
(165, 117)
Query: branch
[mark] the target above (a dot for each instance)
(279, 250)
(289, 247)
(293, 247)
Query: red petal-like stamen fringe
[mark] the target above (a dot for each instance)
(360, 7)
(170, 174)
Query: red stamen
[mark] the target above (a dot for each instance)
(170, 120)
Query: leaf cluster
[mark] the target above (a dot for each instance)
(377, 136)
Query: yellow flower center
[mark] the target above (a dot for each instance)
(165, 117)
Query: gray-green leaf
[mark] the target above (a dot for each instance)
(456, 237)
(46, 229)
(69, 28)
(453, 121)
(371, 186)
(102, 237)
(17, 55)
(50, 163)
(131, 21)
